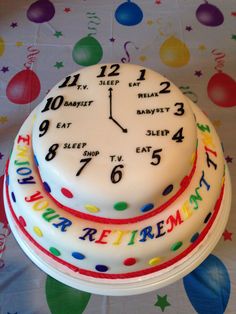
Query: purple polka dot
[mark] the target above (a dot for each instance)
(36, 161)
(168, 190)
(101, 268)
(194, 237)
(78, 255)
(208, 216)
(13, 197)
(146, 207)
(47, 187)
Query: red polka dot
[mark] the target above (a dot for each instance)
(130, 261)
(22, 221)
(66, 193)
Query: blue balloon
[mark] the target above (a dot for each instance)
(208, 286)
(128, 14)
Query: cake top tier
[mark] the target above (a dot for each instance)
(114, 142)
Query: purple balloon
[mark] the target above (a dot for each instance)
(41, 11)
(209, 15)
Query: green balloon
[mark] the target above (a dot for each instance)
(87, 51)
(63, 299)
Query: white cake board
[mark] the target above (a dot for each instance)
(131, 286)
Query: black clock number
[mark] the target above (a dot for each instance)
(67, 81)
(51, 152)
(43, 128)
(113, 70)
(156, 156)
(178, 136)
(116, 174)
(85, 161)
(165, 89)
(180, 109)
(53, 103)
(142, 75)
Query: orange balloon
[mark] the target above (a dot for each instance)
(174, 52)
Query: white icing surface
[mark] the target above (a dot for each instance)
(141, 182)
(116, 250)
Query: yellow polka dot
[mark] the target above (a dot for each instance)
(38, 232)
(92, 208)
(154, 261)
(193, 158)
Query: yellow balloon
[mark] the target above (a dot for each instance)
(174, 52)
(2, 46)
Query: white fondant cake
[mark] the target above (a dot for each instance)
(116, 174)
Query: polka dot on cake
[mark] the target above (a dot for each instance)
(176, 246)
(101, 268)
(92, 208)
(193, 156)
(78, 255)
(120, 206)
(55, 251)
(13, 197)
(47, 187)
(154, 261)
(208, 216)
(22, 221)
(66, 193)
(130, 261)
(36, 161)
(145, 208)
(168, 190)
(38, 231)
(194, 237)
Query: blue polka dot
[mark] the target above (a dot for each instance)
(13, 197)
(7, 180)
(146, 207)
(47, 187)
(101, 268)
(194, 237)
(168, 190)
(36, 161)
(78, 255)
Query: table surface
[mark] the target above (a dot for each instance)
(193, 43)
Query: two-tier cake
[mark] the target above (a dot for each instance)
(116, 174)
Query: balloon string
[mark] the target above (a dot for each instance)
(186, 91)
(219, 59)
(92, 25)
(31, 58)
(124, 59)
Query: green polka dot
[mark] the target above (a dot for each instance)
(55, 251)
(120, 205)
(176, 246)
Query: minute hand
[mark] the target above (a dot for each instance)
(111, 116)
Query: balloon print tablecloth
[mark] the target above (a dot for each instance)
(191, 42)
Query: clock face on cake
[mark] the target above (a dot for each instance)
(114, 141)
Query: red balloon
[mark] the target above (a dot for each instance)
(221, 90)
(23, 88)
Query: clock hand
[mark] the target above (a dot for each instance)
(111, 116)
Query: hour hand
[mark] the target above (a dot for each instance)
(124, 130)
